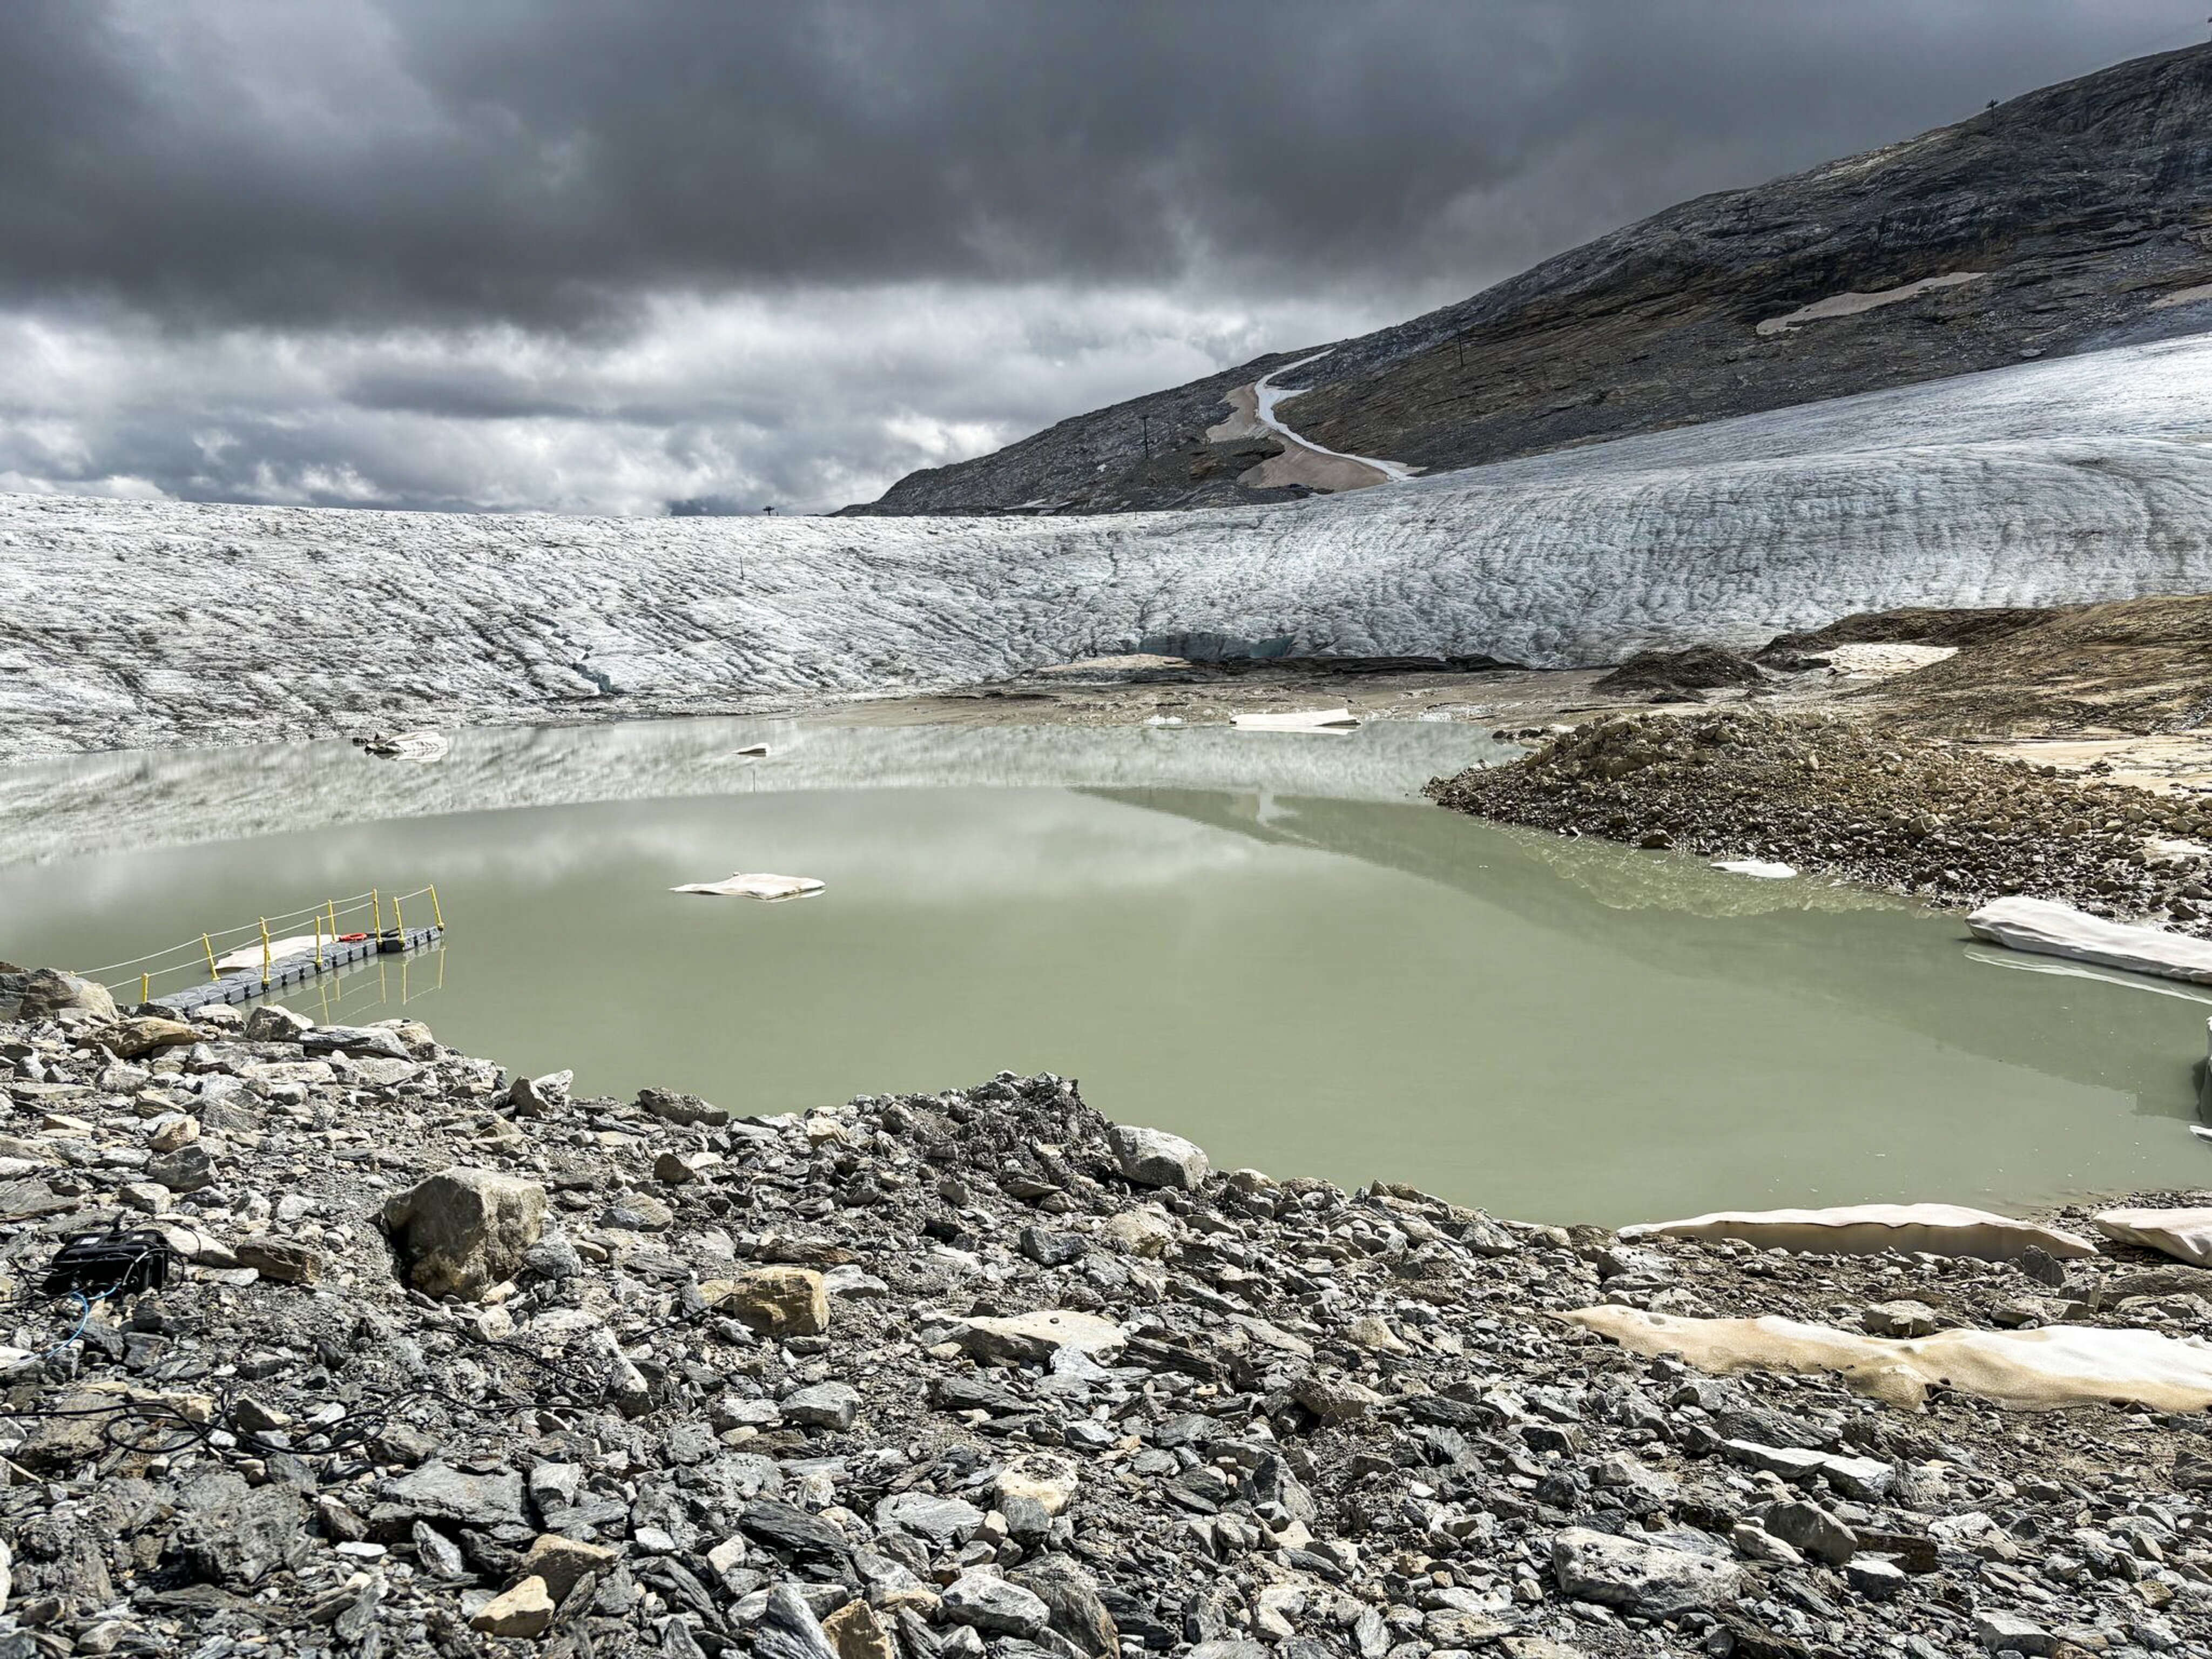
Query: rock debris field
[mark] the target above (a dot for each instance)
(452, 1363)
(1917, 816)
(130, 624)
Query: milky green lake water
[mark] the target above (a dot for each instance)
(1265, 943)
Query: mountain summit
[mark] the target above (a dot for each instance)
(2076, 217)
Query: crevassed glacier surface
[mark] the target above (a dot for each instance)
(138, 623)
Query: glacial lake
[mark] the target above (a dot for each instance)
(1266, 942)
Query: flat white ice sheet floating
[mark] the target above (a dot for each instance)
(2049, 928)
(1869, 1229)
(1302, 719)
(2022, 1371)
(754, 886)
(1762, 868)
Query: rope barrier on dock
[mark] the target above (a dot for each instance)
(198, 956)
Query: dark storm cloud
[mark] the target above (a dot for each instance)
(602, 253)
(266, 160)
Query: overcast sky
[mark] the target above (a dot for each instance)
(603, 255)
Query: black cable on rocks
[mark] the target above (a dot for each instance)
(156, 1426)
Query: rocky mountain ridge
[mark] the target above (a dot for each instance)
(2073, 218)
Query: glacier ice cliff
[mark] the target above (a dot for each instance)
(132, 623)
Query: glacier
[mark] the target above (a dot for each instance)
(148, 624)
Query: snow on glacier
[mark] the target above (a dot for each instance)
(135, 623)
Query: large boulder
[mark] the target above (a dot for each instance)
(778, 1301)
(143, 1034)
(274, 1023)
(464, 1231)
(1153, 1157)
(49, 991)
(1649, 1580)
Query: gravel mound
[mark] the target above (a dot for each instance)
(1918, 816)
(1678, 674)
(971, 1375)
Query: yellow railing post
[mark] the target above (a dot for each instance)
(398, 920)
(207, 946)
(378, 902)
(437, 910)
(318, 938)
(331, 905)
(145, 988)
(264, 952)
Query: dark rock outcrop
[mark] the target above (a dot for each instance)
(2085, 210)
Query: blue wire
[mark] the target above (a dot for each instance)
(83, 1320)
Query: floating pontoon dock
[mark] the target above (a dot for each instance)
(329, 949)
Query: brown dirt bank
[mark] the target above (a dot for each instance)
(2136, 666)
(1920, 816)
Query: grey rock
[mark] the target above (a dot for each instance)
(379, 1041)
(823, 1406)
(272, 1022)
(1153, 1157)
(239, 1543)
(787, 1629)
(1071, 1602)
(49, 991)
(464, 1231)
(638, 1212)
(1049, 1249)
(187, 1170)
(672, 1107)
(1641, 1578)
(997, 1605)
(439, 1556)
(944, 1523)
(1999, 1632)
(1874, 1577)
(532, 1097)
(1806, 1526)
(439, 1491)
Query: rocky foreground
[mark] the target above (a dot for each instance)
(1913, 815)
(451, 1363)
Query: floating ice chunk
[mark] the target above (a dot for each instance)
(422, 747)
(1762, 868)
(1303, 719)
(752, 752)
(755, 886)
(2049, 928)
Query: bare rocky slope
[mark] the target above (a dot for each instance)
(2073, 218)
(451, 1365)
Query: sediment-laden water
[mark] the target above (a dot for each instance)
(1263, 942)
